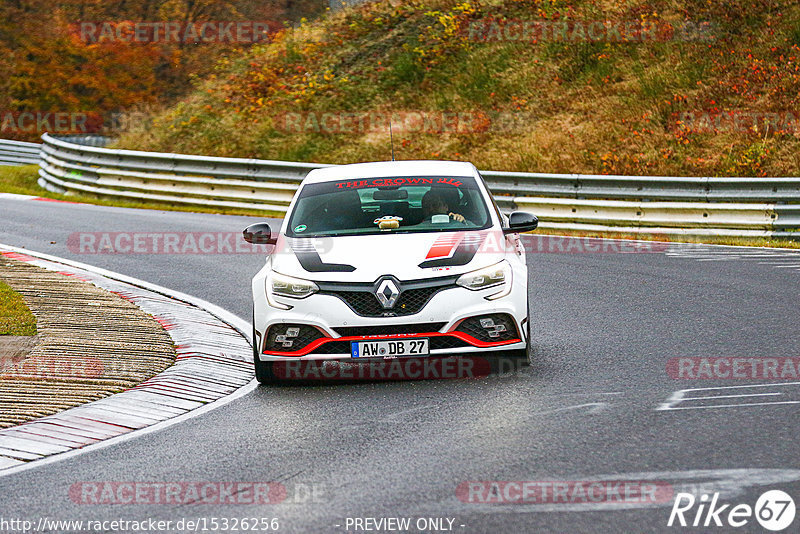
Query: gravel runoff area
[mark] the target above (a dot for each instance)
(91, 344)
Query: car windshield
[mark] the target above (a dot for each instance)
(388, 205)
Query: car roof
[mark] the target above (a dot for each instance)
(382, 169)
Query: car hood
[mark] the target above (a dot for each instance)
(409, 256)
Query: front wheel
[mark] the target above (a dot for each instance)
(264, 370)
(525, 354)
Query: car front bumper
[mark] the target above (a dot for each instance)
(450, 313)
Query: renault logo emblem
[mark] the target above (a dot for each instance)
(387, 293)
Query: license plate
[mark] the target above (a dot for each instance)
(389, 348)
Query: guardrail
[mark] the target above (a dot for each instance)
(745, 207)
(18, 152)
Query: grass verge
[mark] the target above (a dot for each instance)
(15, 317)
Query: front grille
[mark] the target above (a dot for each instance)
(388, 330)
(490, 328)
(290, 337)
(409, 302)
(360, 297)
(361, 302)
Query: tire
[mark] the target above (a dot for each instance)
(525, 354)
(264, 370)
(528, 348)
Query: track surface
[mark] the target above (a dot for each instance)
(604, 326)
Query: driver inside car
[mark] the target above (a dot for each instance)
(433, 204)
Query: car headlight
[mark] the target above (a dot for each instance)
(281, 285)
(498, 275)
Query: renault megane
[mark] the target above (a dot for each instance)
(390, 260)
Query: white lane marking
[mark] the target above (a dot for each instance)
(762, 259)
(677, 397)
(715, 406)
(762, 255)
(778, 258)
(16, 196)
(737, 256)
(732, 396)
(745, 386)
(236, 322)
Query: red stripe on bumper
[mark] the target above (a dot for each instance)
(460, 335)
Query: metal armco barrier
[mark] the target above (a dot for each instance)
(19, 152)
(692, 206)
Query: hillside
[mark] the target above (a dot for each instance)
(83, 57)
(692, 87)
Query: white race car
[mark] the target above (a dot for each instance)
(390, 260)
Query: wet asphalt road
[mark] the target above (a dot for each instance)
(604, 327)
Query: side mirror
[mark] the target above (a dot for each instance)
(259, 234)
(521, 221)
